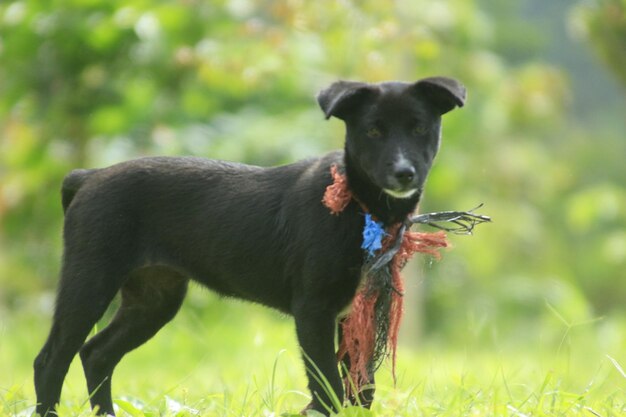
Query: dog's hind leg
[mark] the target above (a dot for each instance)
(84, 294)
(151, 297)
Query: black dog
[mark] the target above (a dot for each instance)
(147, 226)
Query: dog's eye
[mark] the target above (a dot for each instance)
(420, 130)
(374, 133)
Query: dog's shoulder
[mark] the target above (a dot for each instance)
(315, 173)
(302, 201)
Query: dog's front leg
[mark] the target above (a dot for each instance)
(365, 396)
(316, 330)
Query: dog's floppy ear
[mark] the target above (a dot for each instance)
(443, 92)
(342, 97)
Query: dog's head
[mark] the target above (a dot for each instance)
(393, 129)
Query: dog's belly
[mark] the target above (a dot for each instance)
(256, 288)
(276, 281)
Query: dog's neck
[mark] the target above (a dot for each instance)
(386, 208)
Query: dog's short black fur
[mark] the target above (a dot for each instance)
(147, 226)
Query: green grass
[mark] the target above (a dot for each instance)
(224, 358)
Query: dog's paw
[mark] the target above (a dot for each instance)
(313, 413)
(309, 411)
(355, 411)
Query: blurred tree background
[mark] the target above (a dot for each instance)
(87, 83)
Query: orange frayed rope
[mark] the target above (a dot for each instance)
(370, 331)
(337, 195)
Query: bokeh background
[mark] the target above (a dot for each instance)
(541, 141)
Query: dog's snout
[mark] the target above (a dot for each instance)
(404, 174)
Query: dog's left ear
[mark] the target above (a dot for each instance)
(443, 92)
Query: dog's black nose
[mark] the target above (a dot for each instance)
(404, 174)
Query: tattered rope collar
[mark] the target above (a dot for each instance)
(370, 331)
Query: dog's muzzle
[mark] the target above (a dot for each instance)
(402, 182)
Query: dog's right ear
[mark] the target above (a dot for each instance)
(342, 97)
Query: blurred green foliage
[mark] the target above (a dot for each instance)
(604, 24)
(86, 83)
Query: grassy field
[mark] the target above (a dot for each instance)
(224, 358)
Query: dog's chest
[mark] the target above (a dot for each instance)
(345, 311)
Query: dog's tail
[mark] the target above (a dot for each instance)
(72, 183)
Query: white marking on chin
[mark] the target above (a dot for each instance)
(400, 194)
